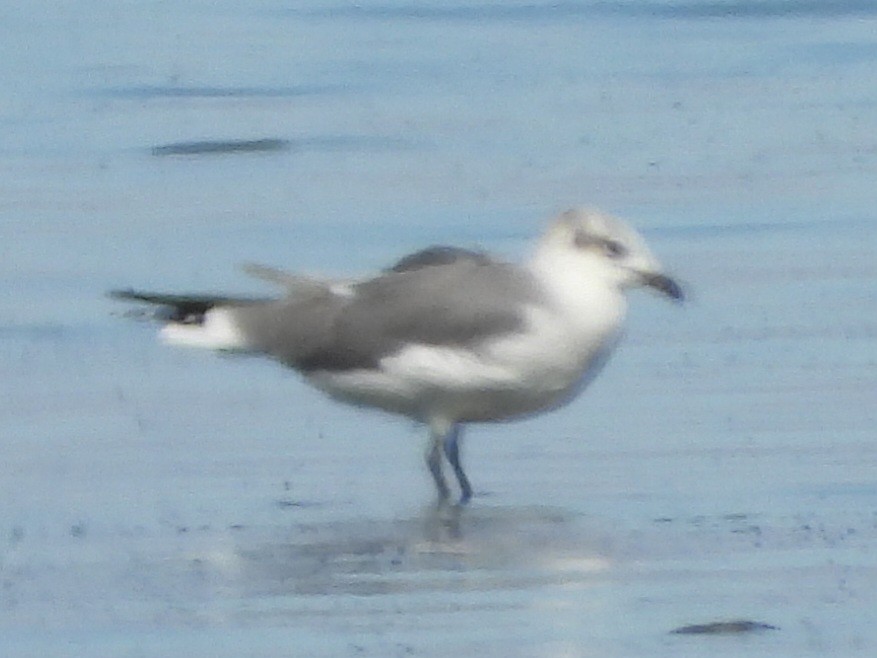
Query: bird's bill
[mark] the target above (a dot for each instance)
(665, 285)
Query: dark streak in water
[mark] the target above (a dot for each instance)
(172, 91)
(220, 147)
(734, 627)
(271, 145)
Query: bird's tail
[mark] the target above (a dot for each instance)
(206, 321)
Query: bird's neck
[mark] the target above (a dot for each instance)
(578, 288)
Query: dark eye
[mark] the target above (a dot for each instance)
(614, 249)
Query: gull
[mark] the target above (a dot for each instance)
(446, 336)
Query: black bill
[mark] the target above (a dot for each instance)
(665, 285)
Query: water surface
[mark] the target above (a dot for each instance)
(160, 502)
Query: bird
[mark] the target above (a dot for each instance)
(445, 336)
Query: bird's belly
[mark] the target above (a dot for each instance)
(514, 377)
(483, 399)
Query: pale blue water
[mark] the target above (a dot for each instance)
(158, 502)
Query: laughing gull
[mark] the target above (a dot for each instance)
(445, 336)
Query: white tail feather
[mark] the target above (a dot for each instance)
(218, 331)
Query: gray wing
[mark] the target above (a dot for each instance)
(438, 255)
(461, 303)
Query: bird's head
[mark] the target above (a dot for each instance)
(595, 245)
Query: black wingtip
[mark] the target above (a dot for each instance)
(126, 294)
(171, 308)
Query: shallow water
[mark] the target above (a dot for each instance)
(162, 502)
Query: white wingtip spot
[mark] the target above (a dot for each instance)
(219, 331)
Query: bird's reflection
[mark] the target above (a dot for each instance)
(442, 548)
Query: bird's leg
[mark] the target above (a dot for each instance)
(452, 452)
(434, 462)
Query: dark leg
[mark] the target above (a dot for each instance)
(452, 452)
(434, 461)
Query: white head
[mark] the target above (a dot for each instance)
(587, 245)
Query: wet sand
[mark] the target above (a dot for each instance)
(719, 472)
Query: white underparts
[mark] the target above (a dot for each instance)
(511, 375)
(217, 331)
